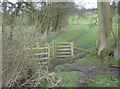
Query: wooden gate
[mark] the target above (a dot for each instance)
(64, 49)
(53, 51)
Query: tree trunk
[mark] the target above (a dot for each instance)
(44, 35)
(4, 20)
(104, 27)
(117, 50)
(11, 32)
(4, 37)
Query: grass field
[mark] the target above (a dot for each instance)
(81, 34)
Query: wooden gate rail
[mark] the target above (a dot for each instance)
(79, 53)
(64, 49)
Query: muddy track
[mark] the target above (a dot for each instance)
(88, 71)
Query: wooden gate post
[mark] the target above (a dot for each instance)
(54, 50)
(72, 49)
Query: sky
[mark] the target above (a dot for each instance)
(87, 3)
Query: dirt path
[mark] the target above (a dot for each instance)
(56, 62)
(91, 71)
(88, 71)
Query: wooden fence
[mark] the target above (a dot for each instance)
(41, 54)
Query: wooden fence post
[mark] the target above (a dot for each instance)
(49, 52)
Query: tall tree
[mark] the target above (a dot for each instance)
(117, 50)
(4, 19)
(4, 38)
(104, 26)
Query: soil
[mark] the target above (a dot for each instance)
(56, 62)
(88, 71)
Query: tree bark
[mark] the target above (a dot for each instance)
(117, 50)
(4, 37)
(4, 19)
(104, 26)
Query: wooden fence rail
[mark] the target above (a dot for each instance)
(40, 54)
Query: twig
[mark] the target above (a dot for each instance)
(115, 79)
(94, 81)
(28, 80)
(13, 76)
(106, 60)
(56, 83)
(114, 66)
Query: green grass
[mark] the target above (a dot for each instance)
(69, 79)
(103, 81)
(95, 62)
(63, 67)
(80, 34)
